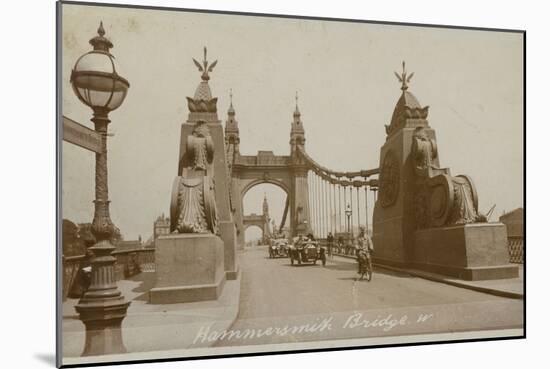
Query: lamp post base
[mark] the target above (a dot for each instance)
(103, 319)
(102, 307)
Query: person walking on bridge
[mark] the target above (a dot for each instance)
(330, 241)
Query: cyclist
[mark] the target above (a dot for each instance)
(364, 244)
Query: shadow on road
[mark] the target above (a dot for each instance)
(303, 265)
(393, 273)
(147, 282)
(353, 278)
(335, 265)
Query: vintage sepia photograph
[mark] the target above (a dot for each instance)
(240, 184)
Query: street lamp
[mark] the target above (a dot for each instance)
(374, 190)
(348, 215)
(96, 82)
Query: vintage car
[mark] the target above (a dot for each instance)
(278, 247)
(307, 251)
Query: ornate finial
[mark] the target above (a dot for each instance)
(101, 30)
(205, 68)
(296, 100)
(404, 78)
(100, 42)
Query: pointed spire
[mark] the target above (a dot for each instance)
(231, 124)
(265, 205)
(296, 111)
(231, 110)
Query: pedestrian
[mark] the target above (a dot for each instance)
(330, 241)
(340, 245)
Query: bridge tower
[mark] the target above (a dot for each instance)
(265, 213)
(232, 139)
(299, 194)
(288, 172)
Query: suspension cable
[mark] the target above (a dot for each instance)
(339, 207)
(351, 208)
(358, 211)
(366, 209)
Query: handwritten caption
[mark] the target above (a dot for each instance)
(355, 321)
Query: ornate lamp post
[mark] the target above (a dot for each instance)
(96, 82)
(348, 215)
(374, 190)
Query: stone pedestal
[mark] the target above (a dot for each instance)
(471, 252)
(189, 267)
(228, 234)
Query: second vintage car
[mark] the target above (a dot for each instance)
(306, 251)
(278, 247)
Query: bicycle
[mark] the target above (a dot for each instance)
(365, 265)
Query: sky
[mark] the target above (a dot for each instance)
(343, 73)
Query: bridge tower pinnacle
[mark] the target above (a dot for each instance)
(265, 208)
(297, 132)
(232, 138)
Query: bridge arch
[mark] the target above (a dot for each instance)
(246, 179)
(253, 183)
(248, 226)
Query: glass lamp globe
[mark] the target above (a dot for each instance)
(348, 210)
(95, 77)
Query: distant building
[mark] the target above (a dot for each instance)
(161, 226)
(514, 222)
(123, 245)
(149, 243)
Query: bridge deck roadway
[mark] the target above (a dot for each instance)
(333, 305)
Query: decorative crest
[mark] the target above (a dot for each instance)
(205, 68)
(231, 98)
(404, 78)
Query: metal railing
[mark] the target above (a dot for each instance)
(128, 263)
(71, 267)
(133, 261)
(346, 249)
(515, 249)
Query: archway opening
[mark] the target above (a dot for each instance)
(253, 236)
(253, 203)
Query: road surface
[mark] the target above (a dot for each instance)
(281, 303)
